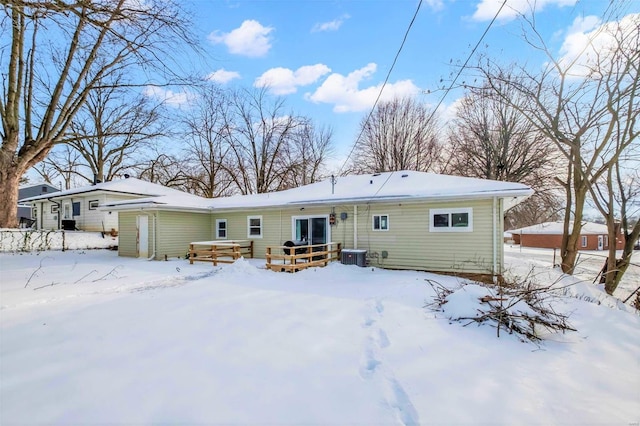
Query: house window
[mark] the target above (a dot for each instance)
(254, 226)
(451, 220)
(44, 189)
(584, 241)
(93, 204)
(34, 212)
(54, 208)
(76, 208)
(606, 241)
(221, 229)
(380, 222)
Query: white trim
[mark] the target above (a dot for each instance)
(373, 222)
(226, 229)
(450, 212)
(249, 226)
(585, 241)
(94, 207)
(315, 216)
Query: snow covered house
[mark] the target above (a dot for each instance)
(404, 220)
(77, 208)
(593, 236)
(25, 211)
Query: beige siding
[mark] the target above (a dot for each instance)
(175, 230)
(277, 226)
(408, 242)
(410, 245)
(127, 245)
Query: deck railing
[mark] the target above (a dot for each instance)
(223, 251)
(293, 259)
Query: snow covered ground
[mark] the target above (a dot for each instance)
(88, 337)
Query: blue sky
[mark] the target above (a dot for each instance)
(329, 58)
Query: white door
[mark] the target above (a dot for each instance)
(143, 236)
(600, 242)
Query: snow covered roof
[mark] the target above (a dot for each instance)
(131, 186)
(552, 228)
(379, 187)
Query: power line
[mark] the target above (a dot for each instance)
(383, 86)
(454, 80)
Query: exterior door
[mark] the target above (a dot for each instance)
(313, 230)
(600, 242)
(143, 236)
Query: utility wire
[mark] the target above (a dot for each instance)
(453, 82)
(406, 34)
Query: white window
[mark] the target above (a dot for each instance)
(451, 220)
(221, 229)
(254, 226)
(93, 204)
(380, 222)
(584, 241)
(54, 208)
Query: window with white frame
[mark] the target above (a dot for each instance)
(93, 204)
(380, 222)
(451, 220)
(584, 241)
(254, 226)
(221, 229)
(66, 208)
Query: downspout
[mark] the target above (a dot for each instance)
(495, 244)
(153, 228)
(355, 226)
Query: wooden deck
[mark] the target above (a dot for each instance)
(222, 251)
(301, 257)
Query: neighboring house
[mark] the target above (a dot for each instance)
(593, 236)
(25, 213)
(77, 208)
(404, 219)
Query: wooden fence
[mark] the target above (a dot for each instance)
(293, 259)
(224, 251)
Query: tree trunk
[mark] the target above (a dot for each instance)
(9, 183)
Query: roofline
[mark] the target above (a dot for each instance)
(111, 191)
(154, 205)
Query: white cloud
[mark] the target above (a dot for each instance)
(345, 94)
(171, 98)
(250, 39)
(331, 25)
(283, 81)
(223, 76)
(487, 9)
(588, 41)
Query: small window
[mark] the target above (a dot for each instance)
(254, 225)
(54, 208)
(380, 222)
(93, 204)
(44, 189)
(451, 220)
(76, 208)
(34, 212)
(584, 241)
(221, 229)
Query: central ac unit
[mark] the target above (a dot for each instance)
(354, 257)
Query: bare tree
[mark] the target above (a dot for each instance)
(305, 157)
(62, 163)
(51, 67)
(259, 131)
(490, 139)
(207, 134)
(165, 169)
(399, 135)
(577, 103)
